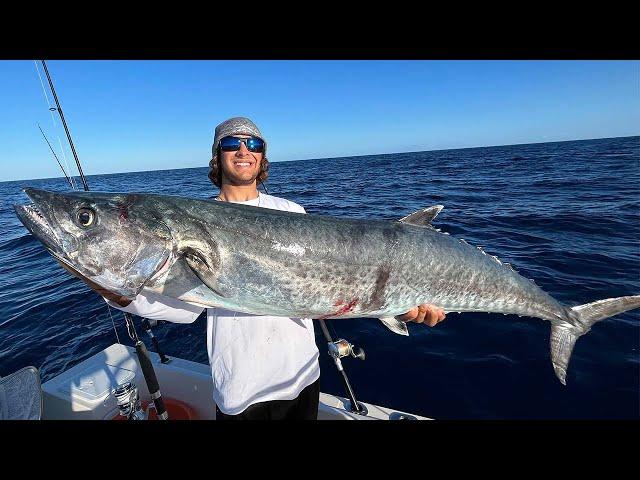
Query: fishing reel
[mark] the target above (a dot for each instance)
(126, 395)
(341, 348)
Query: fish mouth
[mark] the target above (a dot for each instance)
(37, 223)
(39, 220)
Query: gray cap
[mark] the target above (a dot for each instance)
(236, 126)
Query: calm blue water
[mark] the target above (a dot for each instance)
(565, 214)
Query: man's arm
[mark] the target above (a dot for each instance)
(160, 307)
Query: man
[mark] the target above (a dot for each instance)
(263, 367)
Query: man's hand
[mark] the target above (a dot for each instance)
(425, 313)
(114, 297)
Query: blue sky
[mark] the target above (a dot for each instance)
(135, 115)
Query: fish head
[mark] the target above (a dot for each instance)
(116, 240)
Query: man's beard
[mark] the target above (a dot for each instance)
(231, 179)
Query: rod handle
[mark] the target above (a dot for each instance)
(151, 379)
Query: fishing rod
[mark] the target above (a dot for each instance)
(337, 350)
(66, 129)
(143, 355)
(147, 369)
(54, 154)
(147, 324)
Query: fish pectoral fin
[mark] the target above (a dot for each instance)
(423, 218)
(204, 271)
(395, 325)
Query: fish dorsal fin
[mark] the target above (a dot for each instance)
(424, 217)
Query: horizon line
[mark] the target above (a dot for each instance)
(329, 158)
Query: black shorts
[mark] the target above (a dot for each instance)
(303, 407)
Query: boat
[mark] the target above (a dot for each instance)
(110, 385)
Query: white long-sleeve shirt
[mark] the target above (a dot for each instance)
(253, 358)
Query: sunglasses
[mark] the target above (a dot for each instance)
(232, 144)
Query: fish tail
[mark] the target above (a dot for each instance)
(579, 321)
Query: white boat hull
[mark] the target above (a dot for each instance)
(84, 391)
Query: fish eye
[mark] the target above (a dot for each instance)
(85, 217)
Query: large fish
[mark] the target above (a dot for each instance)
(270, 262)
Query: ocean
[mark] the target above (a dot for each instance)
(565, 214)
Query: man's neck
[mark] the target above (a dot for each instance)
(238, 193)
